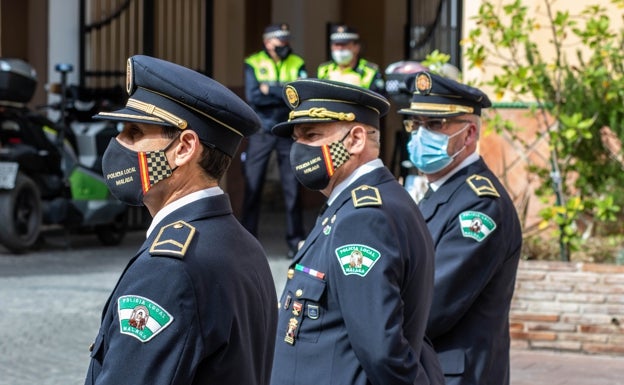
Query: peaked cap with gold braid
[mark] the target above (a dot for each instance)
(168, 94)
(436, 96)
(325, 101)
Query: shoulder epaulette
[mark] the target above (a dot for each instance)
(364, 195)
(173, 240)
(482, 186)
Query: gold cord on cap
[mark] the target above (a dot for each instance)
(151, 109)
(320, 112)
(441, 107)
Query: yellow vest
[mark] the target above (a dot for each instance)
(362, 76)
(268, 71)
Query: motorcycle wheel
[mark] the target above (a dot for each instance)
(20, 215)
(112, 234)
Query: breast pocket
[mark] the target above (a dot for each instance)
(97, 349)
(301, 311)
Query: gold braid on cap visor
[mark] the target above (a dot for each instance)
(320, 112)
(441, 107)
(151, 109)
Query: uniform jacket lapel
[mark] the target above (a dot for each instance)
(430, 205)
(204, 208)
(373, 178)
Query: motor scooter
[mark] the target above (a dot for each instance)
(50, 170)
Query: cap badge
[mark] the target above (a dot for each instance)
(284, 27)
(129, 85)
(340, 29)
(292, 96)
(423, 83)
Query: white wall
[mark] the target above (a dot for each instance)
(63, 39)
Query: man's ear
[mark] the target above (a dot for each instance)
(473, 134)
(188, 148)
(357, 138)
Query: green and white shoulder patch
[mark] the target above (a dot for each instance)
(357, 259)
(141, 318)
(476, 225)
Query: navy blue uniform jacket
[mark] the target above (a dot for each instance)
(475, 274)
(220, 297)
(356, 322)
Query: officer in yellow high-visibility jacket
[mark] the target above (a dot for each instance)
(346, 65)
(266, 72)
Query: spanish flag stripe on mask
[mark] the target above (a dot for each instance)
(144, 172)
(328, 160)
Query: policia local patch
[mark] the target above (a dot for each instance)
(476, 225)
(356, 259)
(141, 318)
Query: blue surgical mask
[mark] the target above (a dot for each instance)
(428, 150)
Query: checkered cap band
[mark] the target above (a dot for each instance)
(339, 154)
(279, 34)
(344, 36)
(157, 166)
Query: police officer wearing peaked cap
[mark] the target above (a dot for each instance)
(347, 65)
(475, 228)
(355, 306)
(266, 72)
(196, 304)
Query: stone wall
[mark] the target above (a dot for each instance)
(576, 307)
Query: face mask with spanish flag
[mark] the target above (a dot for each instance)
(314, 165)
(130, 174)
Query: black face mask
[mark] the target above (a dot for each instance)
(283, 51)
(314, 165)
(130, 174)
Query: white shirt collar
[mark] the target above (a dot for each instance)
(362, 170)
(470, 159)
(185, 200)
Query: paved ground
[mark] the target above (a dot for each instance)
(50, 304)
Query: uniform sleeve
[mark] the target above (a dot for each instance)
(256, 98)
(371, 304)
(167, 349)
(465, 263)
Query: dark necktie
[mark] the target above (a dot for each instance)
(323, 208)
(428, 193)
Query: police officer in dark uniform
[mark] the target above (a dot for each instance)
(357, 298)
(266, 72)
(346, 65)
(475, 230)
(196, 304)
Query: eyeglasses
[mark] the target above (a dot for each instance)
(412, 125)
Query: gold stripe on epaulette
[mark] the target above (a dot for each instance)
(170, 246)
(482, 186)
(366, 196)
